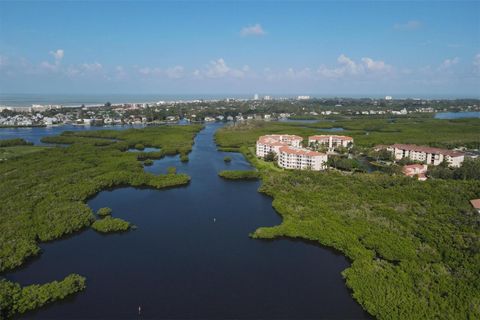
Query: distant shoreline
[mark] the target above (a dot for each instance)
(90, 100)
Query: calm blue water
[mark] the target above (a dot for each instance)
(26, 100)
(334, 129)
(191, 256)
(300, 120)
(35, 134)
(457, 115)
(144, 150)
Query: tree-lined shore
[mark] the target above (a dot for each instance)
(414, 246)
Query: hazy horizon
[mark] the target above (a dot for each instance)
(67, 99)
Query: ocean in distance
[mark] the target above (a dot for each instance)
(27, 99)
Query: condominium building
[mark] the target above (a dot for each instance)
(330, 141)
(273, 142)
(418, 170)
(290, 154)
(299, 158)
(427, 155)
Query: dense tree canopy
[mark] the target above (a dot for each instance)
(42, 195)
(414, 246)
(365, 132)
(14, 142)
(109, 224)
(15, 299)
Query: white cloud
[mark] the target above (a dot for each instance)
(448, 63)
(146, 71)
(219, 68)
(304, 73)
(92, 67)
(197, 74)
(53, 67)
(348, 67)
(120, 73)
(408, 26)
(253, 30)
(175, 72)
(49, 66)
(58, 54)
(376, 66)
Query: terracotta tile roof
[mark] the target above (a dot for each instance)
(413, 147)
(280, 136)
(413, 169)
(414, 166)
(276, 139)
(475, 203)
(271, 141)
(298, 151)
(322, 137)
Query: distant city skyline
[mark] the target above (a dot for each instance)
(358, 48)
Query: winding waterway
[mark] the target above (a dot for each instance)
(191, 256)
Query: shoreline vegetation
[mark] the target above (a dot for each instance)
(46, 199)
(12, 148)
(15, 299)
(239, 174)
(414, 246)
(111, 225)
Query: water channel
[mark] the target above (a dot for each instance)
(191, 256)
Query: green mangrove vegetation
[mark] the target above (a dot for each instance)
(43, 194)
(14, 142)
(470, 170)
(414, 246)
(109, 224)
(227, 159)
(148, 162)
(15, 299)
(103, 212)
(239, 174)
(366, 132)
(17, 151)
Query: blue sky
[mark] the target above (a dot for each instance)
(169, 47)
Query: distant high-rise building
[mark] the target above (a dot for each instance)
(267, 98)
(303, 98)
(388, 98)
(255, 96)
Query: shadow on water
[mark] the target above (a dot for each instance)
(191, 256)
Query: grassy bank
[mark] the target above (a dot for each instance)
(239, 174)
